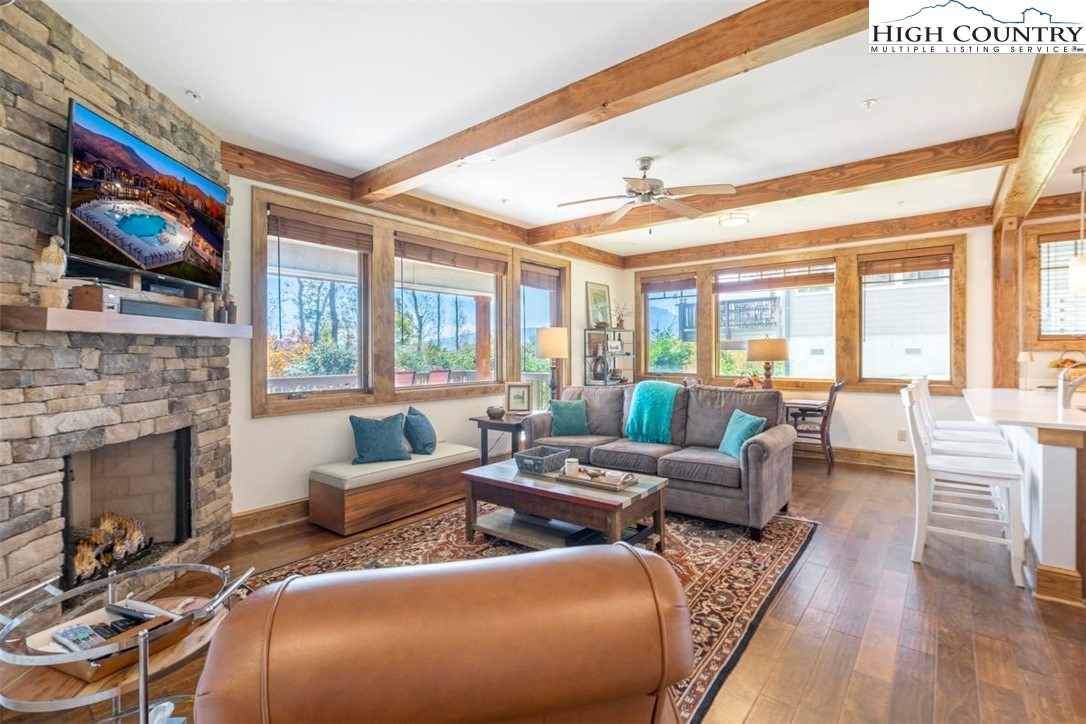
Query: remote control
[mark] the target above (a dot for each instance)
(121, 625)
(78, 637)
(129, 613)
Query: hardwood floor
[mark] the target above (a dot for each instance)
(858, 633)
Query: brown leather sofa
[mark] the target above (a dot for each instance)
(593, 634)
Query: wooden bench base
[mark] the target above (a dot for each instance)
(354, 510)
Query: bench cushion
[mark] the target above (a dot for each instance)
(346, 476)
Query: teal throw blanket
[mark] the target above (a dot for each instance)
(650, 412)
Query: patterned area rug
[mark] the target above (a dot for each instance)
(729, 579)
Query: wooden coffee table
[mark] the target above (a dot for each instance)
(541, 512)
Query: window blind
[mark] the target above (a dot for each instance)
(809, 274)
(672, 284)
(540, 277)
(1063, 314)
(419, 248)
(300, 225)
(904, 262)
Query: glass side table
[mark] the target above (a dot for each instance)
(32, 684)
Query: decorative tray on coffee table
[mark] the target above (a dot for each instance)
(597, 478)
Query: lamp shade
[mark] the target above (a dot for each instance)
(767, 350)
(553, 342)
(1025, 357)
(1077, 274)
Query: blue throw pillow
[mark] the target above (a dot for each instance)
(569, 417)
(420, 433)
(377, 440)
(741, 428)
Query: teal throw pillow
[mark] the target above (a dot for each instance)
(377, 440)
(741, 428)
(569, 417)
(420, 433)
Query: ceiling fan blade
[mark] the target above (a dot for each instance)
(702, 189)
(681, 209)
(588, 201)
(622, 211)
(640, 185)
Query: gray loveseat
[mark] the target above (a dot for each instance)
(702, 481)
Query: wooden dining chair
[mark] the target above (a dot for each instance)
(405, 378)
(815, 425)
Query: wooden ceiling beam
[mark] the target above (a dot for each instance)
(970, 154)
(1052, 113)
(270, 169)
(1056, 205)
(758, 36)
(850, 233)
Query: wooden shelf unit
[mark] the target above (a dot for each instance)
(49, 319)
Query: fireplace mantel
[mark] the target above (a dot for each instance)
(49, 319)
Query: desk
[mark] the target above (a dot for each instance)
(513, 424)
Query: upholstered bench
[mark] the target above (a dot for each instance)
(347, 498)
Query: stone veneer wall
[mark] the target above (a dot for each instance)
(62, 393)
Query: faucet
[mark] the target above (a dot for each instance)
(1066, 389)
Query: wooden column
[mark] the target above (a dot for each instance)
(482, 338)
(708, 327)
(1005, 307)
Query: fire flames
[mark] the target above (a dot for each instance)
(112, 539)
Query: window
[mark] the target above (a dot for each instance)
(795, 302)
(316, 312)
(671, 308)
(906, 314)
(1055, 319)
(445, 319)
(540, 306)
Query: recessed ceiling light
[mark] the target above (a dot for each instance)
(737, 218)
(869, 104)
(193, 95)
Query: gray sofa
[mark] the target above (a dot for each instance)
(702, 481)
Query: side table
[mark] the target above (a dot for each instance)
(513, 424)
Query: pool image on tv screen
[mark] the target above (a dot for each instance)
(133, 206)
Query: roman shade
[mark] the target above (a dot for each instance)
(808, 274)
(540, 277)
(669, 284)
(419, 248)
(300, 225)
(905, 261)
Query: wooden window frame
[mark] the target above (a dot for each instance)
(847, 322)
(381, 291)
(641, 358)
(565, 310)
(956, 383)
(1034, 236)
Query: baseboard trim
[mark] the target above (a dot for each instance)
(875, 458)
(271, 516)
(1059, 584)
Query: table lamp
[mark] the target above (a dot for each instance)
(553, 343)
(768, 350)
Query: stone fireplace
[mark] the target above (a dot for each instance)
(85, 402)
(144, 484)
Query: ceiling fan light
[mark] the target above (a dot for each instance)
(737, 218)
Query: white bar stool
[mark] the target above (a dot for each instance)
(953, 430)
(962, 488)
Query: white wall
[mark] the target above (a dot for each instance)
(272, 456)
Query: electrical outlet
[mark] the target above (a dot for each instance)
(901, 436)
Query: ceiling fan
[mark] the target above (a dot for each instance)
(643, 191)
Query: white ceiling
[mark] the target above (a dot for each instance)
(347, 86)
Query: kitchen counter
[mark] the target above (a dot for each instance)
(1026, 408)
(1049, 444)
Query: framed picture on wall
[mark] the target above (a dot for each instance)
(518, 397)
(599, 304)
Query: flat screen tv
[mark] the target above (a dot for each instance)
(132, 207)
